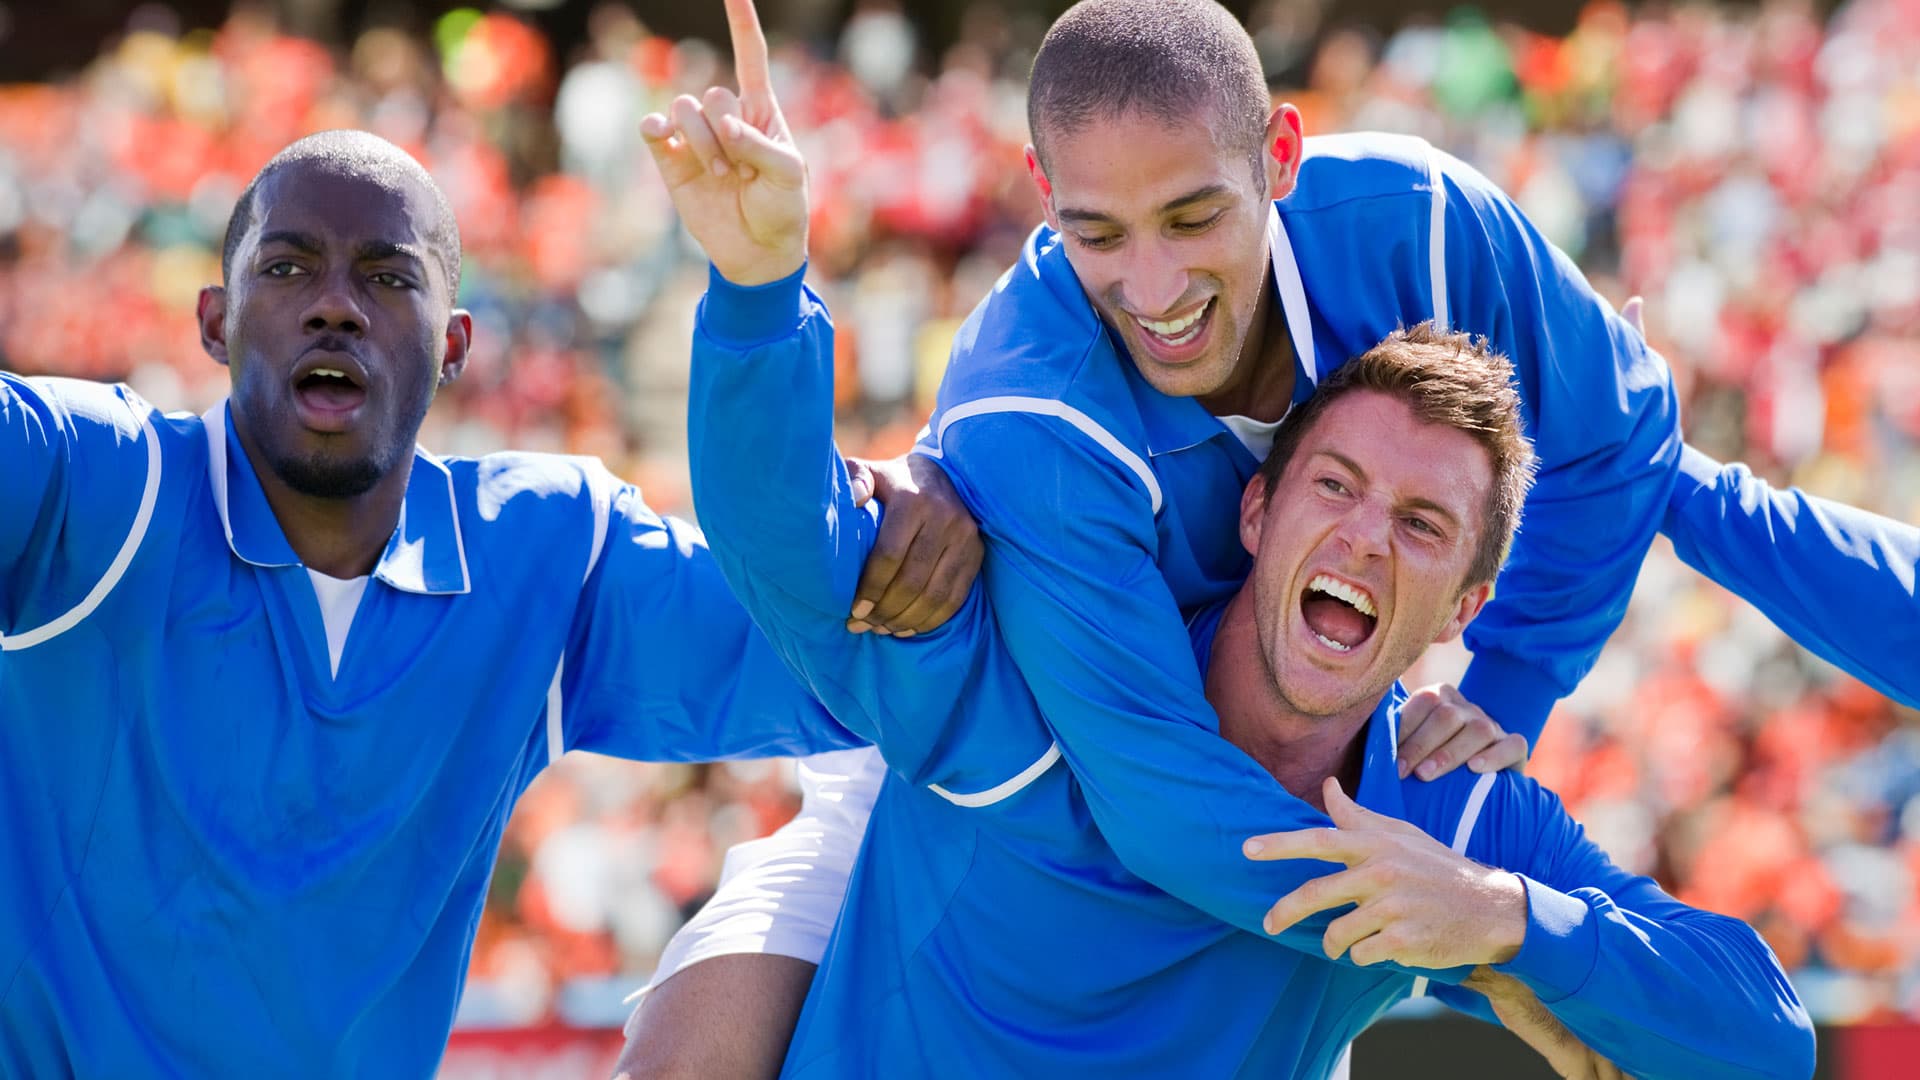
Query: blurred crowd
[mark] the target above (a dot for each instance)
(1753, 170)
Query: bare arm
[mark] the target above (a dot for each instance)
(724, 1018)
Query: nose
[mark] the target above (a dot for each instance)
(1155, 278)
(1367, 528)
(335, 306)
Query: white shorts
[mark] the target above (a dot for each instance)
(780, 894)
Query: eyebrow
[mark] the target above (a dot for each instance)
(371, 250)
(1198, 195)
(1416, 503)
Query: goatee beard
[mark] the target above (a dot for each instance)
(330, 478)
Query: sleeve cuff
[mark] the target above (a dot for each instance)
(1516, 694)
(747, 316)
(1561, 944)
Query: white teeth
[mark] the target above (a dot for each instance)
(1330, 643)
(1340, 590)
(334, 372)
(1179, 331)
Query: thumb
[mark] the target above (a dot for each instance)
(1344, 811)
(859, 481)
(770, 155)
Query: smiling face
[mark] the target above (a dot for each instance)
(1361, 550)
(336, 324)
(1166, 228)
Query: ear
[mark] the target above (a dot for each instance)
(1254, 500)
(1285, 145)
(459, 341)
(1471, 602)
(212, 313)
(1043, 186)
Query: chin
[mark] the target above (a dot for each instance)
(327, 476)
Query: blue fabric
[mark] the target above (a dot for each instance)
(996, 926)
(1837, 579)
(221, 859)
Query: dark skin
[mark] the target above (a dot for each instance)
(334, 273)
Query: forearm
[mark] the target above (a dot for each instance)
(1791, 554)
(1683, 995)
(780, 515)
(770, 485)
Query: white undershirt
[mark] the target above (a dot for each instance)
(339, 599)
(1255, 435)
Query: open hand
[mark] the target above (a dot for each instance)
(1419, 904)
(731, 166)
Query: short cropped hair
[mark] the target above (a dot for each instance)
(354, 153)
(1179, 61)
(1452, 379)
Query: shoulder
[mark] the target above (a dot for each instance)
(517, 501)
(1363, 165)
(1034, 335)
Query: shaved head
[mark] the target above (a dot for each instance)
(358, 154)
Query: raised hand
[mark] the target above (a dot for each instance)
(1418, 903)
(731, 166)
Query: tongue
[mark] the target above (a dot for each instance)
(332, 393)
(1336, 620)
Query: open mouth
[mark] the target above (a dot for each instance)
(1340, 615)
(329, 388)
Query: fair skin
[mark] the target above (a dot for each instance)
(739, 184)
(1296, 675)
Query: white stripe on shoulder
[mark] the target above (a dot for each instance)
(556, 740)
(1469, 817)
(141, 520)
(602, 511)
(1001, 791)
(1437, 241)
(1049, 407)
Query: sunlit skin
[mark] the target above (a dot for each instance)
(335, 270)
(1397, 517)
(1159, 221)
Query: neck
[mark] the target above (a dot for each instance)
(1299, 750)
(341, 538)
(1262, 387)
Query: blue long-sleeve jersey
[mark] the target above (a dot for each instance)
(1837, 579)
(227, 852)
(992, 927)
(1106, 505)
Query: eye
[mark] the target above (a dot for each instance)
(1192, 228)
(391, 280)
(1096, 243)
(282, 268)
(1424, 527)
(1331, 486)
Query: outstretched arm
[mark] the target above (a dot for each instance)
(1794, 555)
(1652, 985)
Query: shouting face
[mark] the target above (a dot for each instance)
(1361, 550)
(336, 324)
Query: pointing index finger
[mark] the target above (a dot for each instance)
(749, 50)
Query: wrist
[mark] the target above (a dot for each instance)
(762, 271)
(1507, 929)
